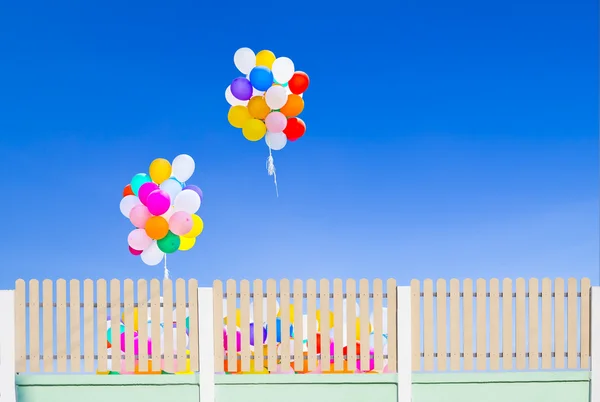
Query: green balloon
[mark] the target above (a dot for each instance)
(169, 244)
(138, 180)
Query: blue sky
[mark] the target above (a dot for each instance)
(444, 140)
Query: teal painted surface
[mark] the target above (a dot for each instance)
(303, 388)
(105, 388)
(570, 386)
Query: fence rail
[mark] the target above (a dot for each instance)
(303, 327)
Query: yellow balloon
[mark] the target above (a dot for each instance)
(238, 318)
(319, 319)
(257, 106)
(186, 243)
(135, 318)
(265, 58)
(291, 314)
(358, 329)
(196, 229)
(254, 130)
(160, 170)
(238, 116)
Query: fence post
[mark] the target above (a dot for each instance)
(595, 346)
(404, 343)
(7, 346)
(206, 346)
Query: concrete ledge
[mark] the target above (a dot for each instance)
(501, 377)
(253, 379)
(41, 380)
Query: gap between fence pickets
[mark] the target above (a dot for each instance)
(595, 354)
(7, 348)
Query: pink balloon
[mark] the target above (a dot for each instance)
(181, 223)
(145, 191)
(139, 215)
(134, 251)
(138, 239)
(158, 202)
(136, 344)
(238, 338)
(371, 361)
(276, 122)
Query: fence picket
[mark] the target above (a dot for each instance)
(129, 324)
(338, 325)
(142, 323)
(520, 324)
(101, 324)
(34, 326)
(75, 325)
(534, 350)
(299, 363)
(454, 325)
(584, 330)
(311, 315)
(168, 325)
(392, 311)
(231, 290)
(284, 316)
(481, 304)
(415, 316)
(494, 324)
(245, 324)
(351, 349)
(572, 323)
(271, 323)
(88, 327)
(257, 288)
(325, 325)
(155, 318)
(20, 327)
(115, 324)
(559, 323)
(364, 324)
(507, 325)
(428, 325)
(48, 325)
(193, 313)
(546, 323)
(468, 324)
(378, 324)
(180, 315)
(441, 337)
(218, 321)
(61, 326)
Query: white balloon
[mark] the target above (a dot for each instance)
(183, 167)
(171, 187)
(244, 60)
(138, 239)
(276, 97)
(167, 215)
(232, 100)
(384, 321)
(152, 255)
(127, 204)
(283, 70)
(276, 141)
(188, 201)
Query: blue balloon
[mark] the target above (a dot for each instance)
(278, 330)
(261, 78)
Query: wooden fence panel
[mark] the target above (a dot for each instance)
(142, 298)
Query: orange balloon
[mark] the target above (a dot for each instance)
(293, 107)
(157, 227)
(257, 106)
(127, 191)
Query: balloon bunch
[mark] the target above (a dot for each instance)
(163, 209)
(267, 101)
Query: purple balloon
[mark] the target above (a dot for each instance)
(158, 202)
(241, 88)
(252, 334)
(145, 191)
(196, 189)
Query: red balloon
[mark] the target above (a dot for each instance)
(127, 191)
(295, 128)
(299, 82)
(134, 251)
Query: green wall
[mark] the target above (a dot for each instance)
(570, 386)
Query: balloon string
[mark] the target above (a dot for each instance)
(166, 269)
(271, 170)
